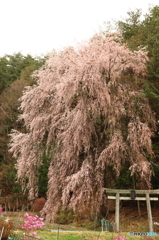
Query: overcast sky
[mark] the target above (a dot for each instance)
(38, 26)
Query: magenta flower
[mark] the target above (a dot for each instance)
(120, 238)
(31, 223)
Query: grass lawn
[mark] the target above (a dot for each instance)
(89, 236)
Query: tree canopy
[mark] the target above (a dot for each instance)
(12, 65)
(88, 112)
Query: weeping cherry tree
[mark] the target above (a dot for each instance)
(89, 112)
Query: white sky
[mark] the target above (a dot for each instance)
(38, 26)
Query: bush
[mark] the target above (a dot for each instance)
(6, 226)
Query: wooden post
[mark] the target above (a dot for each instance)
(149, 212)
(117, 212)
(138, 207)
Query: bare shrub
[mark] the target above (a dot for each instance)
(6, 226)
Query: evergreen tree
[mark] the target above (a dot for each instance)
(12, 65)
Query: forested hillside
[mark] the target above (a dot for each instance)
(15, 74)
(88, 118)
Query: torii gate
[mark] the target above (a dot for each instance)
(132, 196)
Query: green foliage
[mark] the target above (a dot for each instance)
(150, 38)
(124, 181)
(130, 27)
(12, 65)
(155, 178)
(8, 182)
(43, 175)
(151, 90)
(11, 176)
(15, 74)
